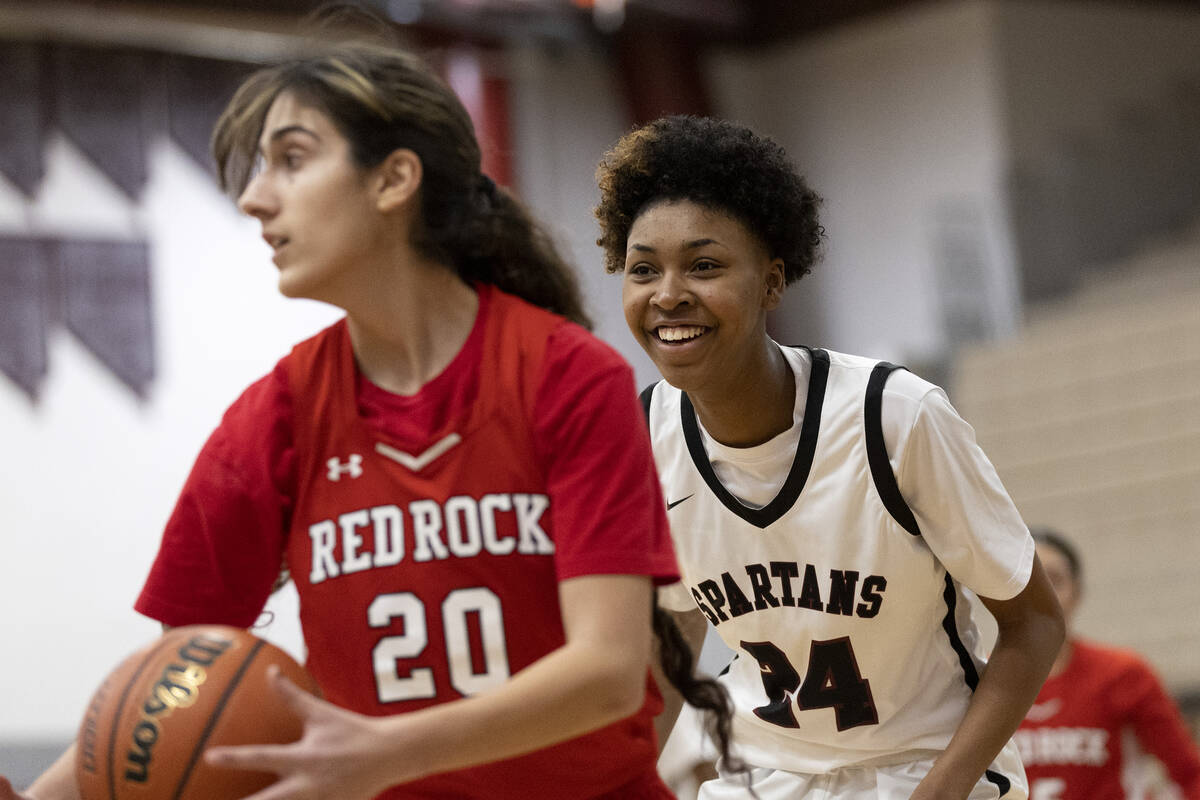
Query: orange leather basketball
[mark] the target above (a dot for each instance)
(146, 728)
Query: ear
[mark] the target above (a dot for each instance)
(397, 180)
(775, 281)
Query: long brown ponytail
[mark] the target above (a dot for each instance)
(705, 694)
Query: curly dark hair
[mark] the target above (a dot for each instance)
(720, 165)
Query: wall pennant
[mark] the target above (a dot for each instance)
(99, 104)
(107, 305)
(26, 294)
(22, 136)
(197, 91)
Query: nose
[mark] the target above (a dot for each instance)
(256, 200)
(671, 291)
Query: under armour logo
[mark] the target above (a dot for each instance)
(352, 467)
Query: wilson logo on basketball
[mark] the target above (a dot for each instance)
(147, 726)
(178, 687)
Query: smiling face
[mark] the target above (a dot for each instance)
(696, 290)
(312, 200)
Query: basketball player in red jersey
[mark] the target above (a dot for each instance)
(457, 476)
(1072, 738)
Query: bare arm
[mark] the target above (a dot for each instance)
(693, 626)
(1031, 629)
(596, 678)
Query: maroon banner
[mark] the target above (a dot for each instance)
(100, 290)
(99, 104)
(23, 109)
(25, 297)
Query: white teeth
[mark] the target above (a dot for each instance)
(679, 334)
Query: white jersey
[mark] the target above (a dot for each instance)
(846, 609)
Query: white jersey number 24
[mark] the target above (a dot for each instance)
(832, 680)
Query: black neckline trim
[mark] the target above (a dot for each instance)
(801, 464)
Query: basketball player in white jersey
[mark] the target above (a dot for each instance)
(832, 515)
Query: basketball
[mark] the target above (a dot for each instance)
(146, 728)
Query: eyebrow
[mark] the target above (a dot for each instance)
(279, 133)
(689, 245)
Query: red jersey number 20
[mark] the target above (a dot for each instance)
(457, 607)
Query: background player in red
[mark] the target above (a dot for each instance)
(1071, 739)
(436, 471)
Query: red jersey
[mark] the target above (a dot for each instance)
(427, 534)
(1070, 740)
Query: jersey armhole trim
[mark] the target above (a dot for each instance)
(647, 397)
(877, 456)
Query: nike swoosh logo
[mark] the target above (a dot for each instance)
(677, 502)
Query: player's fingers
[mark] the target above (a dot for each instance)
(263, 758)
(296, 698)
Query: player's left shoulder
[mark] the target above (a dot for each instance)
(575, 357)
(901, 385)
(848, 361)
(576, 342)
(1120, 662)
(524, 323)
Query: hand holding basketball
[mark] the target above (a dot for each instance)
(147, 726)
(341, 754)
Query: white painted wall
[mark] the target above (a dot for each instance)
(567, 111)
(1069, 65)
(90, 473)
(890, 120)
(900, 119)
